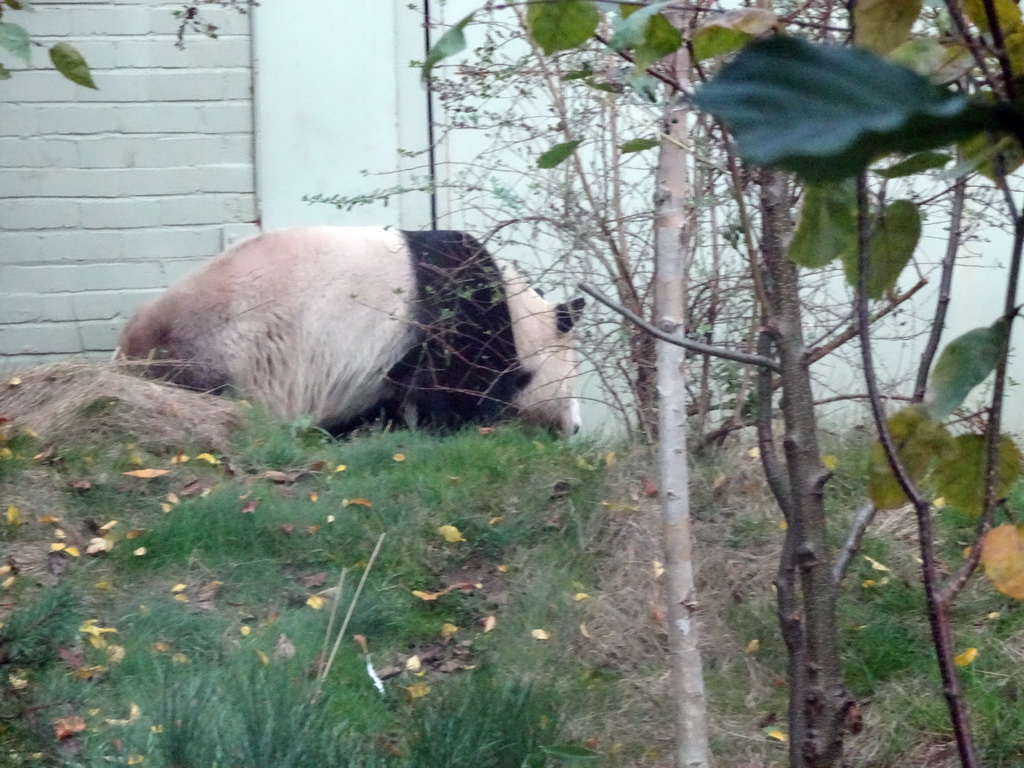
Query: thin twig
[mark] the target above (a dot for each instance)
(861, 521)
(693, 346)
(334, 613)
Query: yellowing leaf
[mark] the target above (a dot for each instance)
(583, 629)
(264, 659)
(179, 658)
(115, 653)
(340, 468)
(875, 564)
(417, 691)
(965, 658)
(993, 615)
(135, 759)
(103, 585)
(451, 533)
(399, 457)
(580, 596)
(426, 595)
(315, 602)
(659, 569)
(753, 646)
(166, 507)
(495, 520)
(147, 473)
(488, 623)
(357, 502)
(330, 518)
(830, 462)
(447, 630)
(139, 552)
(540, 634)
(156, 728)
(502, 569)
(179, 458)
(73, 551)
(584, 464)
(754, 453)
(134, 533)
(179, 588)
(245, 629)
(940, 502)
(106, 527)
(413, 663)
(6, 454)
(208, 458)
(777, 735)
(182, 598)
(1002, 556)
(7, 584)
(13, 516)
(882, 25)
(58, 546)
(14, 381)
(314, 497)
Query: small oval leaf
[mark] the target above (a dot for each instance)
(451, 42)
(557, 154)
(960, 474)
(827, 228)
(893, 241)
(560, 26)
(1002, 557)
(70, 63)
(638, 145)
(14, 38)
(882, 25)
(964, 364)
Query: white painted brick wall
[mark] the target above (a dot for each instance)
(107, 196)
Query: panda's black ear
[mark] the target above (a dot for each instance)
(568, 314)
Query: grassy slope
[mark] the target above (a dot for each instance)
(216, 651)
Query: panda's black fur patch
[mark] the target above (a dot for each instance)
(464, 368)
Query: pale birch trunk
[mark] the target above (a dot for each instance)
(675, 219)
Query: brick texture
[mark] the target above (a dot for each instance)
(107, 196)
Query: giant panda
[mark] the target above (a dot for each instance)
(347, 324)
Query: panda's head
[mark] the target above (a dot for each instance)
(546, 348)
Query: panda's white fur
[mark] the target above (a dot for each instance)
(310, 320)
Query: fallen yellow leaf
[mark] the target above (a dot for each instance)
(830, 462)
(264, 659)
(58, 546)
(7, 584)
(659, 569)
(139, 552)
(447, 630)
(181, 598)
(340, 468)
(399, 457)
(413, 663)
(754, 453)
(108, 526)
(580, 596)
(753, 646)
(135, 759)
(115, 653)
(13, 516)
(315, 602)
(314, 497)
(245, 629)
(73, 551)
(417, 690)
(104, 585)
(583, 629)
(540, 634)
(208, 458)
(451, 533)
(49, 519)
(488, 623)
(778, 735)
(357, 502)
(875, 564)
(14, 381)
(502, 569)
(6, 453)
(179, 588)
(147, 473)
(940, 502)
(965, 658)
(426, 595)
(179, 458)
(179, 658)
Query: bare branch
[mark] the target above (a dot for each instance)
(693, 346)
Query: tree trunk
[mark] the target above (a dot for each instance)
(675, 219)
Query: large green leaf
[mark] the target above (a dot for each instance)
(960, 474)
(892, 243)
(647, 33)
(826, 111)
(557, 154)
(964, 364)
(882, 25)
(452, 42)
(828, 225)
(15, 39)
(562, 25)
(919, 440)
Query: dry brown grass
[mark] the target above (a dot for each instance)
(80, 402)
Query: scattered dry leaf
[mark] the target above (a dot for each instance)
(65, 727)
(147, 473)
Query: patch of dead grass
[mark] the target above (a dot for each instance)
(74, 403)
